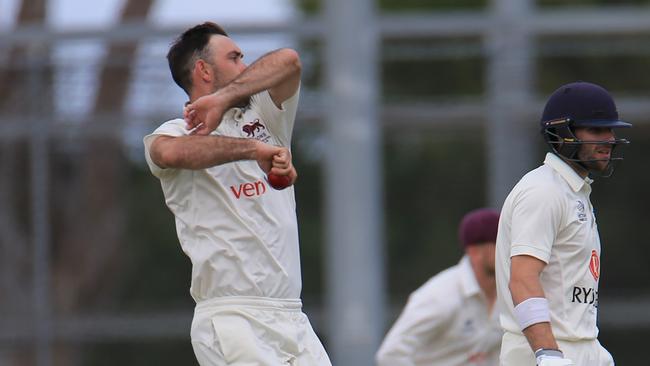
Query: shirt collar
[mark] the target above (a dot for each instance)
(566, 171)
(467, 278)
(234, 113)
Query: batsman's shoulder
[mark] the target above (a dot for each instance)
(540, 194)
(537, 180)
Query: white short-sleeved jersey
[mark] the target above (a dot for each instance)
(240, 234)
(445, 322)
(548, 215)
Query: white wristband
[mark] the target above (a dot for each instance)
(532, 311)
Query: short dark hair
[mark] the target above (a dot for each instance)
(187, 48)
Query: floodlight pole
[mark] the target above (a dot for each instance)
(353, 183)
(40, 208)
(510, 143)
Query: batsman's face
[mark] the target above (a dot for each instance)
(599, 152)
(226, 59)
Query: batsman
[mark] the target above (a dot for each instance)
(548, 248)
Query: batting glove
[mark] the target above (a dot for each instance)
(551, 357)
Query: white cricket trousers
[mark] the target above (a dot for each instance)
(255, 331)
(515, 351)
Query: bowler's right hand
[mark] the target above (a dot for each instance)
(275, 160)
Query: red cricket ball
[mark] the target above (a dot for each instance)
(279, 181)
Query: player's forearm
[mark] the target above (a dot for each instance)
(268, 72)
(540, 335)
(522, 288)
(201, 152)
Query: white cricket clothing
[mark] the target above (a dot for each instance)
(548, 215)
(254, 331)
(446, 322)
(240, 234)
(531, 311)
(515, 351)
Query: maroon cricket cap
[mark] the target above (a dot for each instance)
(478, 226)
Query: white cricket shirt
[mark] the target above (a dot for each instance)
(445, 322)
(548, 216)
(240, 234)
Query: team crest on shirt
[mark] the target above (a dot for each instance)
(580, 208)
(256, 130)
(469, 327)
(594, 265)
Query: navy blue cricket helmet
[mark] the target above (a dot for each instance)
(576, 105)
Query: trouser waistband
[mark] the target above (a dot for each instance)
(250, 302)
(562, 339)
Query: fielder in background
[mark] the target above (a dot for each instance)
(450, 320)
(240, 234)
(548, 246)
